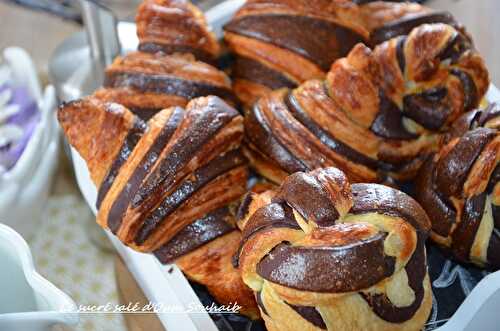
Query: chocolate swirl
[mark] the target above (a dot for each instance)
(378, 114)
(318, 248)
(459, 189)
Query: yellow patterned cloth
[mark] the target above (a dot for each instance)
(65, 254)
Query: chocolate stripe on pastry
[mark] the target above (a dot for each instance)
(258, 298)
(196, 234)
(400, 55)
(297, 191)
(166, 85)
(246, 68)
(470, 91)
(389, 121)
(328, 269)
(121, 203)
(427, 108)
(262, 136)
(244, 206)
(328, 42)
(405, 25)
(186, 189)
(439, 210)
(310, 314)
(203, 125)
(456, 47)
(386, 200)
(335, 145)
(275, 215)
(493, 248)
(416, 271)
(491, 112)
(133, 136)
(465, 233)
(145, 113)
(462, 177)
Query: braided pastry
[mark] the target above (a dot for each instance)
(377, 115)
(321, 254)
(165, 185)
(167, 71)
(282, 43)
(459, 189)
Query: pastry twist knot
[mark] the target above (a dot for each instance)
(319, 247)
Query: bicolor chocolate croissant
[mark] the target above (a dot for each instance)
(321, 254)
(164, 186)
(171, 66)
(282, 43)
(459, 188)
(378, 114)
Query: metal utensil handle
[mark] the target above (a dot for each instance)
(101, 27)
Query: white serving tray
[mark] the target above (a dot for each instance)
(167, 285)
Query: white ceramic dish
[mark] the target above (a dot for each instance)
(28, 302)
(24, 189)
(478, 311)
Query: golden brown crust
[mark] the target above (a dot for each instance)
(319, 253)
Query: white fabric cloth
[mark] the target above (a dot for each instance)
(66, 256)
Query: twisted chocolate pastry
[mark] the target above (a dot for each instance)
(321, 254)
(377, 115)
(282, 43)
(459, 188)
(164, 186)
(167, 71)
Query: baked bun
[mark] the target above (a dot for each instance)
(166, 185)
(459, 189)
(376, 116)
(174, 63)
(322, 254)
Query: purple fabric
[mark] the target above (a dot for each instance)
(29, 109)
(27, 119)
